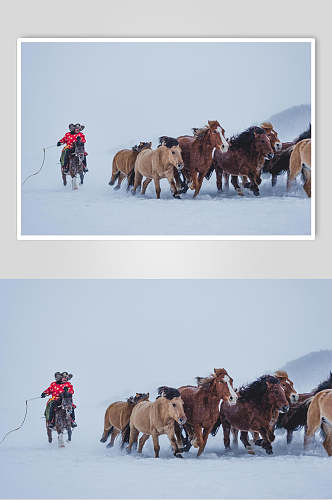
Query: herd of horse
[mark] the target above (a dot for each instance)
(189, 414)
(187, 160)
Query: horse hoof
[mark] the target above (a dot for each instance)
(116, 188)
(256, 193)
(178, 455)
(259, 442)
(247, 185)
(269, 452)
(133, 192)
(240, 193)
(177, 196)
(109, 445)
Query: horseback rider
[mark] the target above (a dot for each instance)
(55, 390)
(69, 140)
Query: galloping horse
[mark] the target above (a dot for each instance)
(158, 164)
(117, 418)
(62, 418)
(300, 161)
(157, 418)
(253, 412)
(296, 418)
(124, 163)
(76, 157)
(320, 415)
(245, 157)
(201, 406)
(272, 135)
(197, 152)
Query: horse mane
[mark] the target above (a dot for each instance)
(327, 384)
(245, 139)
(135, 148)
(255, 391)
(169, 142)
(281, 374)
(305, 135)
(205, 381)
(168, 392)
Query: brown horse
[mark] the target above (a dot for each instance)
(254, 412)
(320, 415)
(117, 418)
(201, 405)
(158, 164)
(296, 418)
(272, 135)
(197, 152)
(300, 161)
(124, 163)
(157, 418)
(245, 157)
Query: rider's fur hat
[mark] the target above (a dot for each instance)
(57, 375)
(72, 127)
(67, 375)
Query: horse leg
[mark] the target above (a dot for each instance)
(174, 191)
(157, 186)
(115, 173)
(145, 184)
(120, 179)
(235, 433)
(156, 445)
(49, 433)
(295, 167)
(289, 436)
(133, 438)
(142, 441)
(61, 443)
(64, 179)
(265, 443)
(246, 444)
(313, 422)
(171, 437)
(226, 427)
(306, 172)
(198, 184)
(74, 183)
(81, 177)
(274, 180)
(236, 185)
(107, 431)
(178, 434)
(219, 175)
(206, 432)
(114, 434)
(253, 184)
(198, 439)
(137, 181)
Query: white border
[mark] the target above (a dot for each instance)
(166, 237)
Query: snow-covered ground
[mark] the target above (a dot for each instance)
(85, 468)
(49, 208)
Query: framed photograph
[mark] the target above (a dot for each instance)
(166, 138)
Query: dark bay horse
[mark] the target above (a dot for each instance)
(76, 164)
(197, 152)
(280, 163)
(296, 418)
(62, 418)
(245, 157)
(201, 406)
(253, 412)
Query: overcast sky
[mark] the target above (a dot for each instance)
(125, 92)
(123, 336)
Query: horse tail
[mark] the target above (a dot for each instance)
(114, 175)
(215, 428)
(106, 434)
(209, 172)
(126, 434)
(131, 178)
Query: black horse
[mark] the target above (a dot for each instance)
(62, 418)
(76, 162)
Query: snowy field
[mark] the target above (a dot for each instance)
(49, 208)
(85, 468)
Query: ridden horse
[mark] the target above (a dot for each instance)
(157, 418)
(62, 418)
(254, 412)
(117, 418)
(245, 157)
(158, 164)
(124, 163)
(320, 415)
(197, 152)
(300, 161)
(296, 418)
(75, 164)
(201, 406)
(280, 163)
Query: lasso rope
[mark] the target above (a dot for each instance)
(21, 425)
(35, 173)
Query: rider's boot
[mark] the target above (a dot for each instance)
(73, 423)
(51, 424)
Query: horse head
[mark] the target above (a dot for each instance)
(172, 151)
(173, 403)
(287, 385)
(223, 385)
(215, 125)
(275, 394)
(262, 143)
(272, 135)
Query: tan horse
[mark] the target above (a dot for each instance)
(300, 160)
(157, 418)
(320, 414)
(124, 163)
(117, 418)
(158, 164)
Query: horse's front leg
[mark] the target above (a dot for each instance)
(199, 439)
(219, 175)
(265, 443)
(171, 437)
(133, 438)
(61, 443)
(199, 184)
(245, 441)
(156, 445)
(253, 184)
(235, 183)
(142, 441)
(157, 186)
(174, 191)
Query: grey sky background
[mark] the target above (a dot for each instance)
(124, 92)
(123, 336)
